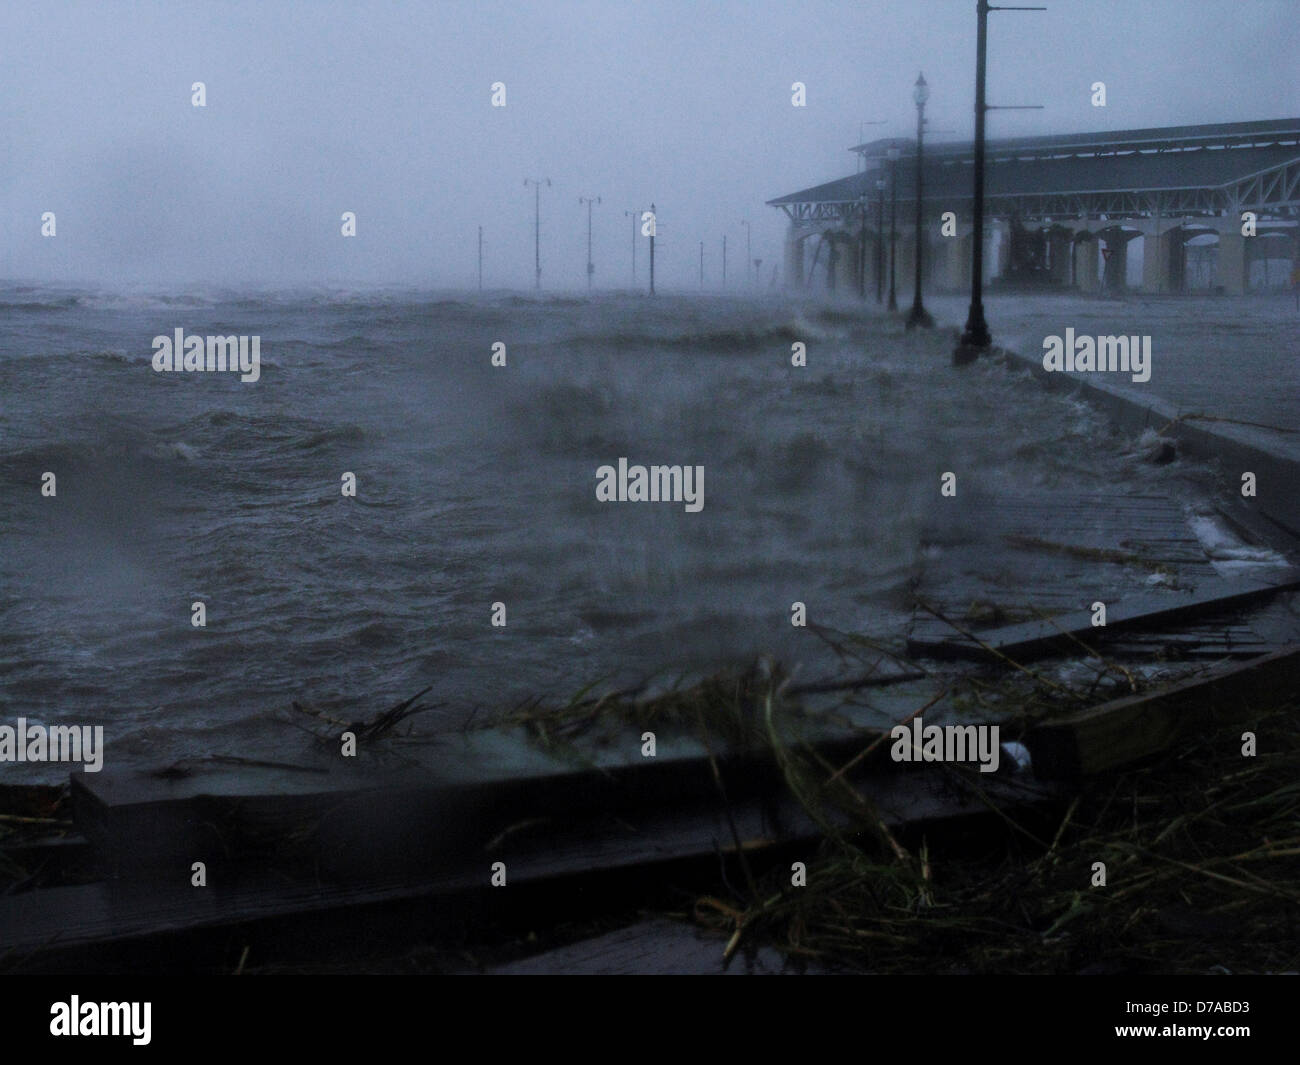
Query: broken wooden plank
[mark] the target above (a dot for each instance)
(1034, 639)
(467, 788)
(47, 927)
(1127, 730)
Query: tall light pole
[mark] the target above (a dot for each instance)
(862, 248)
(724, 260)
(893, 154)
(654, 225)
(636, 217)
(976, 338)
(919, 316)
(591, 267)
(537, 225)
(880, 240)
(701, 264)
(749, 257)
(480, 258)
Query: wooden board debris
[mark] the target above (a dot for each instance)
(41, 927)
(1066, 632)
(1127, 730)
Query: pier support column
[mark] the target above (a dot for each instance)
(1232, 261)
(956, 262)
(1087, 254)
(793, 259)
(857, 262)
(1158, 261)
(1002, 258)
(1058, 244)
(1115, 272)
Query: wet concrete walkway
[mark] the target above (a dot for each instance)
(1231, 358)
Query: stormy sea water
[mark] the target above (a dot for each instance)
(476, 484)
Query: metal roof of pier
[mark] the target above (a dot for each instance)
(1207, 169)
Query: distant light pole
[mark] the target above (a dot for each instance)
(701, 264)
(748, 249)
(893, 154)
(880, 240)
(654, 225)
(919, 316)
(537, 225)
(480, 258)
(591, 267)
(976, 339)
(862, 248)
(635, 216)
(724, 260)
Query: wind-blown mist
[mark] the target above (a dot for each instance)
(475, 485)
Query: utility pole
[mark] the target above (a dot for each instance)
(748, 251)
(919, 316)
(635, 216)
(653, 227)
(480, 258)
(976, 338)
(591, 267)
(537, 225)
(724, 260)
(701, 264)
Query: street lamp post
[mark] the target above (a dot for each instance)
(635, 216)
(537, 225)
(654, 225)
(893, 154)
(591, 267)
(976, 337)
(862, 248)
(919, 316)
(880, 242)
(748, 248)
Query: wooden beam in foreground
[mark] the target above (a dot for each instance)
(1127, 730)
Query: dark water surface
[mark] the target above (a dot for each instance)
(475, 485)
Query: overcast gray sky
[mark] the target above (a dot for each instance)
(384, 109)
